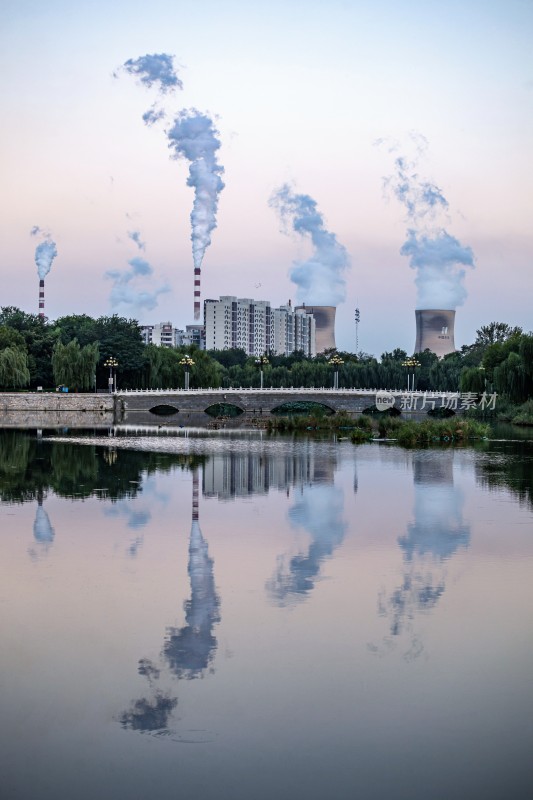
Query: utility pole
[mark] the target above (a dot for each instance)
(357, 318)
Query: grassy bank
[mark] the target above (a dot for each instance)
(407, 433)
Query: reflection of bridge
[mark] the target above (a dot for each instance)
(256, 402)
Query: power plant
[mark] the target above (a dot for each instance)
(325, 326)
(434, 331)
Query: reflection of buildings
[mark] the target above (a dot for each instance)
(230, 475)
(190, 649)
(437, 532)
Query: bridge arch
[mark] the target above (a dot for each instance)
(164, 410)
(224, 410)
(302, 407)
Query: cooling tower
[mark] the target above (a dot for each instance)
(41, 297)
(325, 326)
(434, 331)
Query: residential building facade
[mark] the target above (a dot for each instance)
(256, 328)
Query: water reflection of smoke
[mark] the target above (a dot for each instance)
(149, 714)
(319, 510)
(43, 532)
(190, 649)
(435, 535)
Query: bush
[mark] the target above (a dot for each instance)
(524, 415)
(359, 436)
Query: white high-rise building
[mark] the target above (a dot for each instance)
(256, 328)
(165, 335)
(294, 329)
(161, 334)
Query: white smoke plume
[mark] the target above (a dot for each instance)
(156, 69)
(437, 257)
(45, 252)
(194, 137)
(320, 278)
(133, 287)
(135, 236)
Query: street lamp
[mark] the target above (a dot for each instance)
(187, 363)
(261, 362)
(112, 363)
(411, 364)
(336, 361)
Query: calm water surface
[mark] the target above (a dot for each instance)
(237, 616)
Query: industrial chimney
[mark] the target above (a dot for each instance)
(325, 326)
(434, 331)
(41, 297)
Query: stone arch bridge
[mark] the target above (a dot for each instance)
(190, 407)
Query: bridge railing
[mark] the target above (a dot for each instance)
(285, 390)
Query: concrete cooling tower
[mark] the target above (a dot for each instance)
(325, 326)
(434, 331)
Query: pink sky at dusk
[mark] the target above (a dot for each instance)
(299, 93)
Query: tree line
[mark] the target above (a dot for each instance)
(72, 350)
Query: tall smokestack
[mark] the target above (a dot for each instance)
(435, 331)
(325, 326)
(41, 297)
(197, 293)
(45, 252)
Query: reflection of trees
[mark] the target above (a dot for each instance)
(436, 533)
(509, 465)
(319, 511)
(14, 461)
(190, 649)
(30, 467)
(74, 470)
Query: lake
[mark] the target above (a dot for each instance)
(193, 614)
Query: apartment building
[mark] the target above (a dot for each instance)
(256, 328)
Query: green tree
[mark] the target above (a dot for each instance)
(120, 338)
(39, 338)
(77, 326)
(14, 370)
(73, 365)
(495, 332)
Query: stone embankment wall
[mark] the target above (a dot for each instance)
(48, 410)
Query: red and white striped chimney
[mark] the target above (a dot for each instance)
(197, 293)
(41, 297)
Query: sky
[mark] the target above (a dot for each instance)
(330, 103)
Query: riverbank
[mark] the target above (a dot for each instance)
(46, 410)
(407, 433)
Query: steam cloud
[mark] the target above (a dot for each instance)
(45, 252)
(135, 236)
(194, 137)
(127, 283)
(319, 279)
(319, 510)
(154, 70)
(437, 257)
